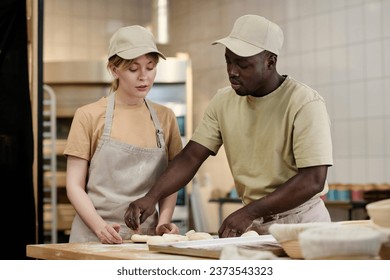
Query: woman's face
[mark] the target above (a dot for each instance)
(138, 78)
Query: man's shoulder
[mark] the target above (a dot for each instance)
(225, 92)
(301, 89)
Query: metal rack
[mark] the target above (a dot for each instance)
(75, 83)
(50, 159)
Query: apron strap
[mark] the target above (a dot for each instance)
(109, 114)
(159, 130)
(109, 118)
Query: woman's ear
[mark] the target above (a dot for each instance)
(113, 71)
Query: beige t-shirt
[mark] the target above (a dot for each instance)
(268, 138)
(131, 124)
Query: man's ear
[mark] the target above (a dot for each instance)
(272, 59)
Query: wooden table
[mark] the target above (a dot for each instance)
(98, 251)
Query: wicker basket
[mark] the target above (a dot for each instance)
(292, 249)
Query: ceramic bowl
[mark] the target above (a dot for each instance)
(379, 212)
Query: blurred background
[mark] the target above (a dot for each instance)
(341, 48)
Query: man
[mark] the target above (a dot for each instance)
(276, 134)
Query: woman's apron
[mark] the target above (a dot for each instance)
(120, 173)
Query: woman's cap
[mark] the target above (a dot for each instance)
(131, 42)
(252, 34)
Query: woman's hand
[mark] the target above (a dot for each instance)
(109, 234)
(167, 228)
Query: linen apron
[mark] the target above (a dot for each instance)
(313, 210)
(120, 173)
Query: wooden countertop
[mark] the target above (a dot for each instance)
(98, 251)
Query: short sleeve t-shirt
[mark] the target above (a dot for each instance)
(266, 139)
(132, 124)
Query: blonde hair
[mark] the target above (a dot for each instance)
(124, 64)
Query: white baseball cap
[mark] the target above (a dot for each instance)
(252, 34)
(131, 42)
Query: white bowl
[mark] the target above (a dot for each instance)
(379, 212)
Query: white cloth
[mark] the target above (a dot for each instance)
(233, 252)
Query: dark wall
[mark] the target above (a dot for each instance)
(17, 210)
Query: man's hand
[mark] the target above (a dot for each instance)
(138, 211)
(236, 223)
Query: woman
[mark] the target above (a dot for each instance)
(118, 146)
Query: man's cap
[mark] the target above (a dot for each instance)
(131, 42)
(252, 34)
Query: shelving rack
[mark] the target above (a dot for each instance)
(50, 160)
(74, 84)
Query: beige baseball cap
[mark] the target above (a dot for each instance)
(131, 42)
(253, 34)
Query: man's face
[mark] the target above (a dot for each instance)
(247, 75)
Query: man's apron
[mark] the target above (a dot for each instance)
(120, 173)
(313, 210)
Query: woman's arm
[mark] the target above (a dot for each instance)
(166, 209)
(76, 176)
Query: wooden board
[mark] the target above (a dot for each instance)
(98, 251)
(212, 248)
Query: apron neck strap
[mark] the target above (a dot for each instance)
(159, 130)
(109, 118)
(109, 114)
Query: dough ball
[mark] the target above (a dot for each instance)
(172, 237)
(250, 233)
(139, 238)
(199, 236)
(190, 232)
(155, 240)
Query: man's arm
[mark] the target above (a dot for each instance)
(300, 188)
(178, 173)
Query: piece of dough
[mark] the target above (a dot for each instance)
(155, 240)
(171, 237)
(190, 232)
(140, 238)
(199, 236)
(250, 233)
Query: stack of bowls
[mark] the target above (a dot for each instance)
(379, 212)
